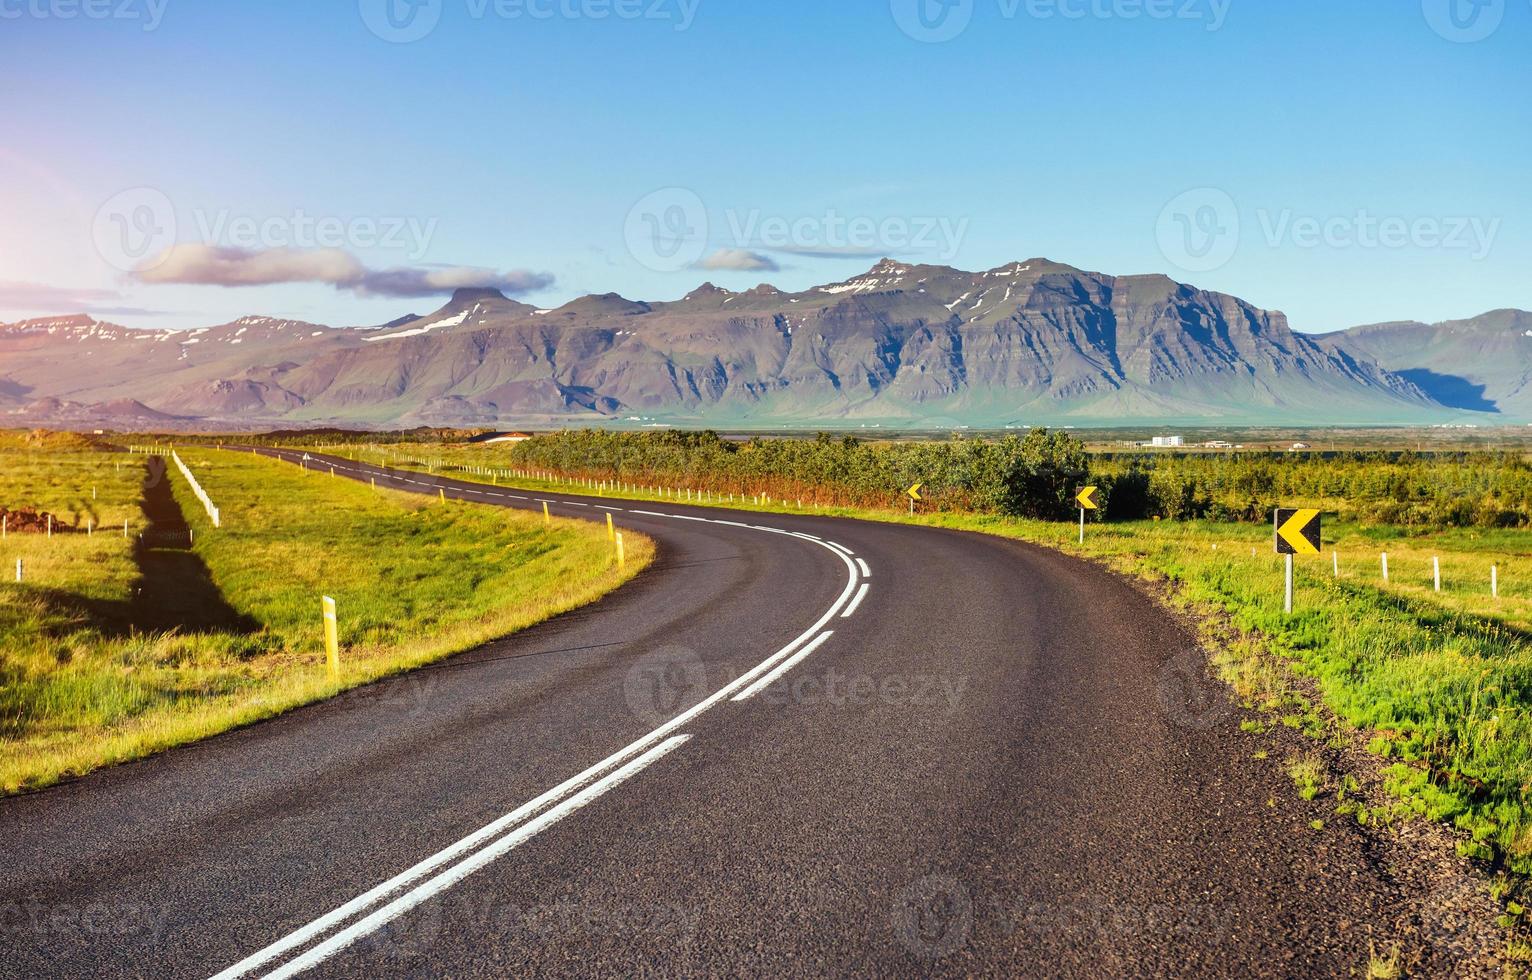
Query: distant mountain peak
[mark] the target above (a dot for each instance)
(477, 294)
(1034, 341)
(603, 304)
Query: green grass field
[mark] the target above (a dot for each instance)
(113, 648)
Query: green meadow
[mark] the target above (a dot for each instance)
(115, 647)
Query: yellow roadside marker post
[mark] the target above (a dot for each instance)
(1298, 532)
(1086, 498)
(443, 493)
(914, 494)
(331, 637)
(611, 529)
(547, 518)
(622, 556)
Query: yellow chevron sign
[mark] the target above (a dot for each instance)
(1298, 532)
(914, 491)
(1087, 499)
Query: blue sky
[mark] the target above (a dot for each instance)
(1373, 156)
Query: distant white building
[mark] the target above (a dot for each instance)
(1168, 442)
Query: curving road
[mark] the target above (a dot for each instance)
(795, 745)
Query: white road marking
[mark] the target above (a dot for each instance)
(860, 595)
(458, 872)
(840, 547)
(785, 666)
(862, 564)
(773, 667)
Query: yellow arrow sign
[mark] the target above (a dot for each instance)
(1087, 499)
(914, 491)
(1298, 532)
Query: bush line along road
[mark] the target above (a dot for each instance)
(796, 744)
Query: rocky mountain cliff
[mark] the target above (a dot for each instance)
(901, 345)
(1483, 364)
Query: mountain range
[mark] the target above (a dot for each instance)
(907, 346)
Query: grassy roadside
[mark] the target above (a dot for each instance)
(89, 682)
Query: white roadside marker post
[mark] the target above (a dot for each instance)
(1436, 571)
(18, 570)
(1385, 568)
(1288, 603)
(1335, 557)
(1494, 581)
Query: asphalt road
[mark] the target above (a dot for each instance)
(999, 761)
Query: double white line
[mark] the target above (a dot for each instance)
(379, 906)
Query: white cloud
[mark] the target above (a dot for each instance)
(739, 260)
(42, 298)
(211, 265)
